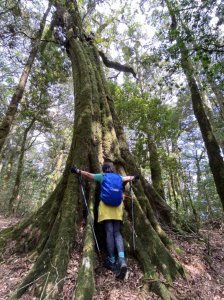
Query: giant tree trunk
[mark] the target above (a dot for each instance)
(17, 96)
(97, 134)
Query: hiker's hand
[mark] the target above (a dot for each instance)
(136, 177)
(75, 170)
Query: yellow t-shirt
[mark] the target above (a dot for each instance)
(106, 212)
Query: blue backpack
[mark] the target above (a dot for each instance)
(111, 189)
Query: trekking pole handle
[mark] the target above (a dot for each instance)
(136, 177)
(75, 170)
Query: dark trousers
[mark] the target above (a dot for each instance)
(113, 237)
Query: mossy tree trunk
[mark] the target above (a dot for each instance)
(97, 134)
(156, 172)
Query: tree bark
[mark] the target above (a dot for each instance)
(219, 96)
(156, 173)
(17, 96)
(97, 134)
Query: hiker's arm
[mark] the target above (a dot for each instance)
(87, 175)
(130, 178)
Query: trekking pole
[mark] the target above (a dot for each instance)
(88, 211)
(132, 216)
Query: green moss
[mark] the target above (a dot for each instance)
(179, 251)
(85, 285)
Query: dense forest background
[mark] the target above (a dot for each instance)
(163, 65)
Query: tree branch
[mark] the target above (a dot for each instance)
(115, 65)
(211, 50)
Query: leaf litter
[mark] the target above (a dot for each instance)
(202, 257)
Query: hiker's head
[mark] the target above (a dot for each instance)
(108, 167)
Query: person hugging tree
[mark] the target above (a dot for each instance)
(111, 213)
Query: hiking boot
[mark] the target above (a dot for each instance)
(109, 264)
(122, 268)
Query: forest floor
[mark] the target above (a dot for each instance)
(201, 255)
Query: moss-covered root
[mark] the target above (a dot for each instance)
(151, 279)
(5, 236)
(158, 288)
(156, 250)
(48, 273)
(85, 285)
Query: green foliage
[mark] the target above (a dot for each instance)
(143, 113)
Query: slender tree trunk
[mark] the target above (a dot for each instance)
(215, 159)
(205, 64)
(5, 178)
(174, 192)
(192, 202)
(17, 96)
(97, 134)
(199, 182)
(219, 96)
(169, 193)
(186, 196)
(14, 200)
(156, 173)
(174, 187)
(213, 150)
(6, 171)
(205, 99)
(208, 203)
(179, 188)
(177, 174)
(195, 214)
